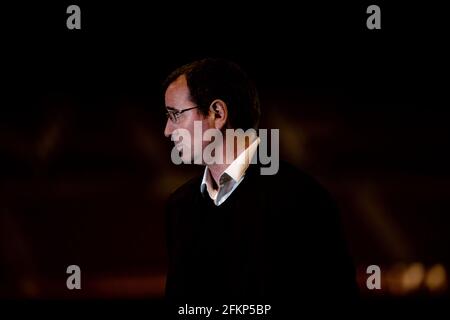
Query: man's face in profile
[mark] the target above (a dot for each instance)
(177, 98)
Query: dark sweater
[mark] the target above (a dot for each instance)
(274, 237)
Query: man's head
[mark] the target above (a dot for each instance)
(220, 94)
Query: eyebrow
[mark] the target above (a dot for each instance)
(171, 108)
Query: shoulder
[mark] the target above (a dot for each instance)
(290, 188)
(288, 177)
(186, 192)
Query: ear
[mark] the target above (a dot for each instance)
(218, 110)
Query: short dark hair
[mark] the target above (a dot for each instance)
(209, 79)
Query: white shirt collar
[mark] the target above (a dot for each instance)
(231, 177)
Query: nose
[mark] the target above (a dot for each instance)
(169, 128)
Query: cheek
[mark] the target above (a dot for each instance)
(199, 126)
(208, 123)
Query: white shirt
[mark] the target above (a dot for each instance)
(231, 177)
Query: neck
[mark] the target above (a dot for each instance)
(230, 147)
(216, 171)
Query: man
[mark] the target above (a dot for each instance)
(235, 234)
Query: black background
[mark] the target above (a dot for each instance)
(85, 168)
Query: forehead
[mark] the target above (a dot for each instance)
(177, 93)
